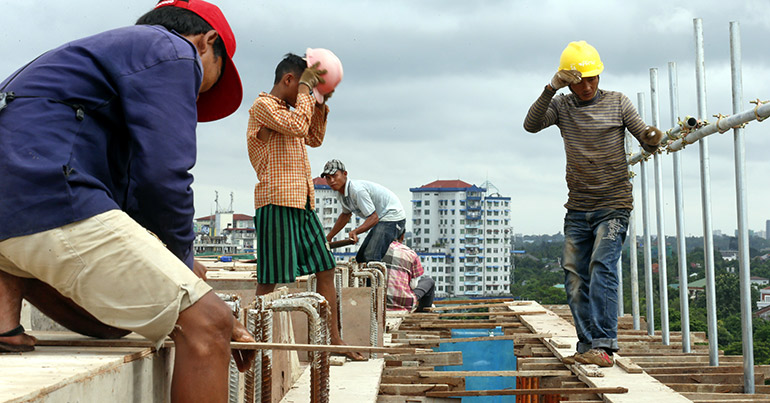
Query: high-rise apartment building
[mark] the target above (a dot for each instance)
(462, 233)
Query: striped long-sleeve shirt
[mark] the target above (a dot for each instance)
(594, 138)
(281, 160)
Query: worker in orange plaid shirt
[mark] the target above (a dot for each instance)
(290, 238)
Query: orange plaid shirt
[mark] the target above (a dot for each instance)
(280, 160)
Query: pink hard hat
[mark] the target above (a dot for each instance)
(331, 64)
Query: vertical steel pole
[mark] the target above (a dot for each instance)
(633, 266)
(681, 247)
(705, 189)
(648, 290)
(743, 230)
(662, 270)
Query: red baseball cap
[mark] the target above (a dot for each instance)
(226, 95)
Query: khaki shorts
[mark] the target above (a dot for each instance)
(113, 268)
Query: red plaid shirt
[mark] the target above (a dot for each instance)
(403, 265)
(280, 160)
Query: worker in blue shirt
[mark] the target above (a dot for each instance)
(97, 139)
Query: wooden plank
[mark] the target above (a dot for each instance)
(469, 306)
(460, 314)
(430, 374)
(467, 325)
(544, 391)
(104, 343)
(732, 397)
(454, 382)
(442, 358)
(628, 365)
(515, 338)
(411, 389)
(478, 301)
(405, 371)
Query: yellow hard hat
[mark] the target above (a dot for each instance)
(582, 57)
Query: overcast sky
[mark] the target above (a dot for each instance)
(439, 90)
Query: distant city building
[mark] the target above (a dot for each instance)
(462, 233)
(764, 298)
(328, 209)
(767, 229)
(224, 233)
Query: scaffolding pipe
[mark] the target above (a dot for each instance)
(705, 177)
(648, 291)
(681, 247)
(633, 266)
(723, 124)
(743, 230)
(659, 218)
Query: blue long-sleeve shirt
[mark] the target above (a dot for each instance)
(131, 147)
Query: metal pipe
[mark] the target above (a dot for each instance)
(648, 291)
(648, 287)
(705, 177)
(659, 218)
(721, 125)
(632, 252)
(681, 248)
(743, 229)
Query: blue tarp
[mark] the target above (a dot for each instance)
(486, 355)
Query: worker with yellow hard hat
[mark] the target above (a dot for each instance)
(592, 123)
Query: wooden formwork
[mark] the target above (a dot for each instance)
(645, 367)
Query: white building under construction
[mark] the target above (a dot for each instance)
(462, 233)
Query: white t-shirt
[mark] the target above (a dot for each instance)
(363, 198)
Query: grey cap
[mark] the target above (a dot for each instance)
(332, 166)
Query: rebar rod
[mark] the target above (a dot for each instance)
(373, 325)
(338, 290)
(659, 217)
(253, 376)
(742, 206)
(317, 310)
(681, 249)
(266, 323)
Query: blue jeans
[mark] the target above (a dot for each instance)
(378, 240)
(592, 245)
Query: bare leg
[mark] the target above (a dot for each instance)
(325, 287)
(67, 313)
(202, 338)
(11, 293)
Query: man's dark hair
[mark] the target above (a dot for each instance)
(291, 63)
(184, 22)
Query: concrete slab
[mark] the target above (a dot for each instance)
(352, 382)
(72, 374)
